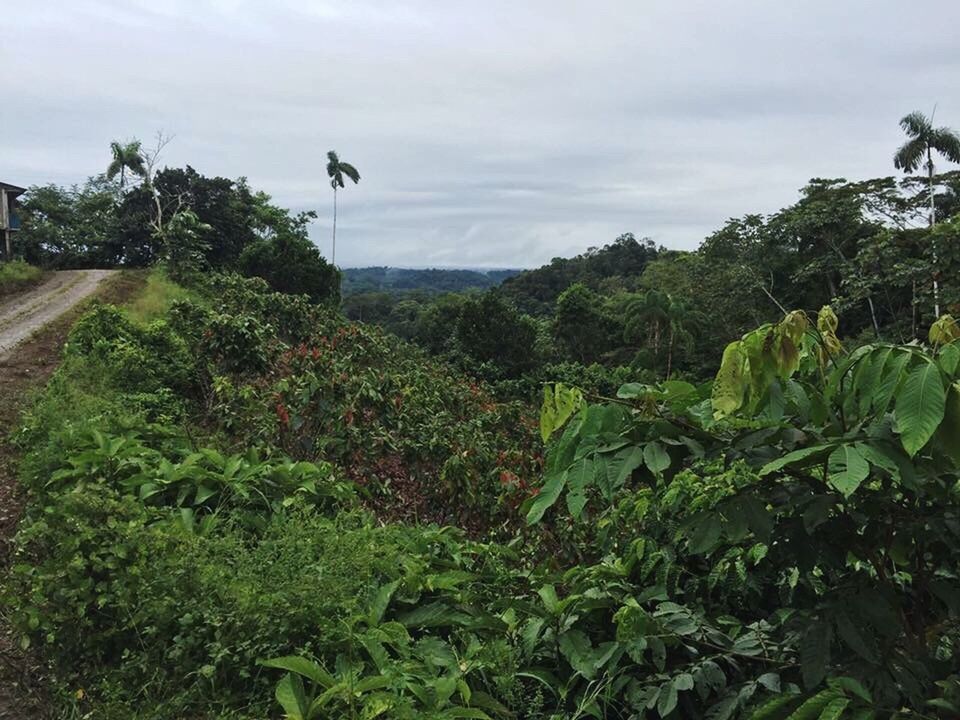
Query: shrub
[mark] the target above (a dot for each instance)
(16, 275)
(129, 356)
(292, 265)
(124, 597)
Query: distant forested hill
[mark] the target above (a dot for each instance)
(611, 267)
(433, 280)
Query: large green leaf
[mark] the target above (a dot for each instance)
(815, 653)
(292, 698)
(705, 534)
(949, 359)
(882, 457)
(730, 383)
(559, 403)
(774, 707)
(890, 379)
(577, 649)
(920, 405)
(655, 457)
(378, 606)
(811, 708)
(867, 375)
(579, 477)
(948, 434)
(546, 497)
(612, 470)
(796, 457)
(301, 666)
(667, 700)
(846, 469)
(834, 709)
(860, 642)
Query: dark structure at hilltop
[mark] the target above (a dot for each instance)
(9, 222)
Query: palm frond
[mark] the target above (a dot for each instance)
(135, 163)
(946, 142)
(910, 155)
(333, 163)
(350, 171)
(916, 124)
(113, 169)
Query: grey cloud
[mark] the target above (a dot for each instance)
(496, 133)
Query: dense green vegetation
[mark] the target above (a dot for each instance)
(204, 487)
(867, 248)
(737, 494)
(179, 217)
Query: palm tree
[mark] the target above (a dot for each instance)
(647, 314)
(336, 169)
(667, 321)
(924, 141)
(126, 157)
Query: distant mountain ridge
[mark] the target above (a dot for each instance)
(428, 280)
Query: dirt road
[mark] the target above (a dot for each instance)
(22, 315)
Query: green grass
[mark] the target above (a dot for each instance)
(17, 275)
(156, 297)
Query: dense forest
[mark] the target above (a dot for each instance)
(637, 483)
(372, 294)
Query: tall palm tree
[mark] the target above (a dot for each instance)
(924, 140)
(126, 157)
(666, 320)
(336, 169)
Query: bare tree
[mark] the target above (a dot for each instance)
(163, 209)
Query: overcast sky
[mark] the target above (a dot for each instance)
(487, 133)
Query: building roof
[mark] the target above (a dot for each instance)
(12, 189)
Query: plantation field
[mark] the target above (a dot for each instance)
(241, 505)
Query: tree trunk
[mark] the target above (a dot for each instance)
(933, 241)
(333, 253)
(873, 316)
(670, 353)
(913, 311)
(831, 285)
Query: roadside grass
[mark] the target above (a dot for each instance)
(156, 297)
(17, 275)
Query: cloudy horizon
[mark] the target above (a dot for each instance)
(487, 135)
